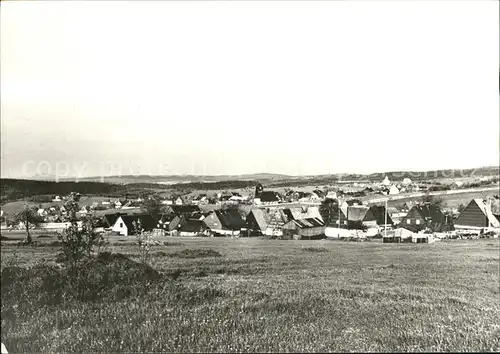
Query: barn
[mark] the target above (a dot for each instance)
(477, 216)
(225, 222)
(193, 228)
(128, 224)
(310, 228)
(256, 221)
(426, 217)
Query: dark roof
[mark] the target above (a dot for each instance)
(308, 223)
(147, 222)
(378, 212)
(319, 193)
(430, 212)
(411, 227)
(269, 196)
(352, 202)
(258, 216)
(167, 217)
(192, 226)
(230, 219)
(111, 218)
(185, 209)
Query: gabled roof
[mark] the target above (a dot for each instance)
(269, 196)
(261, 218)
(430, 212)
(378, 212)
(192, 226)
(166, 218)
(300, 213)
(308, 223)
(111, 218)
(489, 217)
(184, 209)
(230, 219)
(147, 222)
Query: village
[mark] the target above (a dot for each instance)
(353, 210)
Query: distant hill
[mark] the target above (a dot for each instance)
(129, 186)
(172, 179)
(13, 189)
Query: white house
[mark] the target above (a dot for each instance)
(393, 190)
(331, 195)
(178, 201)
(386, 181)
(167, 202)
(406, 181)
(56, 199)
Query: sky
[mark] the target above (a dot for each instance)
(209, 88)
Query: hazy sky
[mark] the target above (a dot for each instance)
(243, 87)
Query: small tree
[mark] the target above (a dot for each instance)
(78, 242)
(30, 218)
(152, 205)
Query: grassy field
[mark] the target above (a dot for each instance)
(234, 295)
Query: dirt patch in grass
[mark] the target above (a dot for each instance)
(196, 253)
(314, 249)
(167, 243)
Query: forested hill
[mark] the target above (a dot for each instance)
(13, 189)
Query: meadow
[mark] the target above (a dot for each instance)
(256, 295)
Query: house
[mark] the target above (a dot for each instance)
(300, 213)
(178, 201)
(167, 202)
(379, 213)
(319, 193)
(42, 212)
(457, 185)
(200, 199)
(130, 224)
(106, 202)
(193, 228)
(275, 224)
(406, 181)
(56, 198)
(426, 217)
(304, 229)
(256, 221)
(3, 220)
(171, 222)
(236, 198)
(359, 216)
(119, 203)
(331, 195)
(477, 216)
(337, 216)
(393, 190)
(386, 181)
(226, 222)
(309, 197)
(110, 219)
(407, 206)
(268, 197)
(182, 209)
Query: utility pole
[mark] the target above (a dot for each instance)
(385, 224)
(338, 207)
